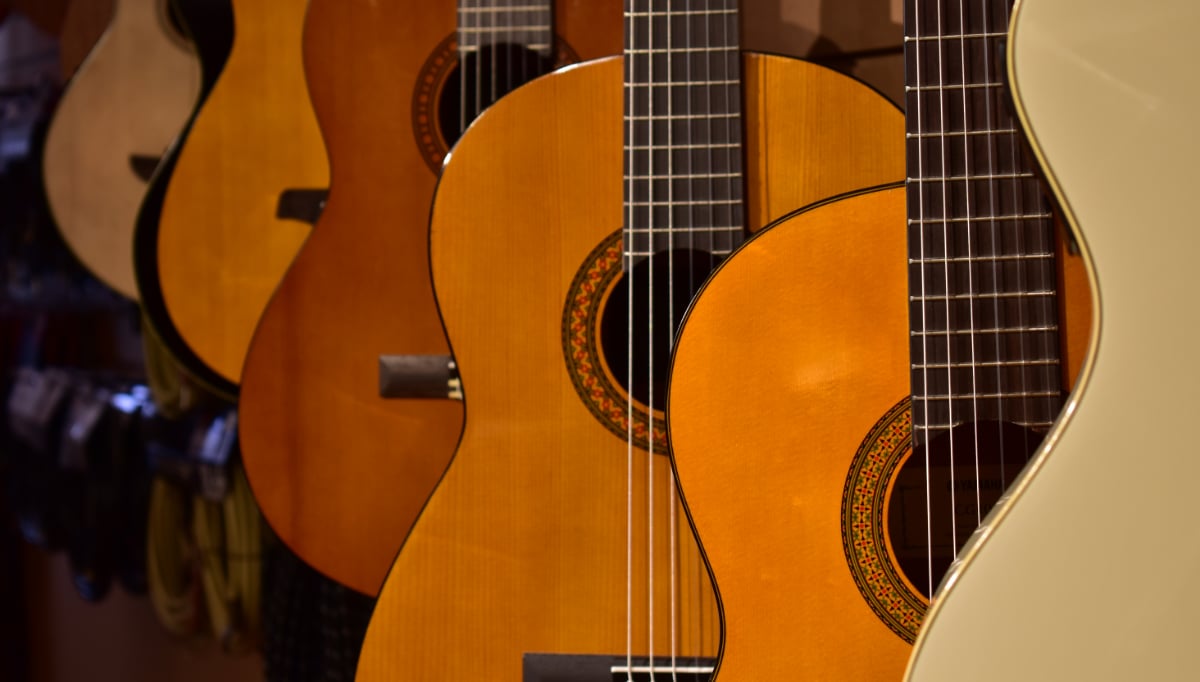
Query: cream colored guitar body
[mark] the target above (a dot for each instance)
(1087, 570)
(130, 97)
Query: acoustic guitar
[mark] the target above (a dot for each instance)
(340, 468)
(861, 411)
(554, 541)
(222, 248)
(210, 24)
(1104, 90)
(123, 107)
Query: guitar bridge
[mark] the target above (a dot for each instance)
(600, 668)
(419, 376)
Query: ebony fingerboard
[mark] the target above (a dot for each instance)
(525, 23)
(683, 132)
(982, 276)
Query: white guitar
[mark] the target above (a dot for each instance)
(1088, 570)
(129, 99)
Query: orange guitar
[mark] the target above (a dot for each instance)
(554, 540)
(790, 413)
(222, 248)
(340, 468)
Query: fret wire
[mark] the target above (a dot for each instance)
(496, 10)
(979, 176)
(690, 202)
(688, 176)
(944, 426)
(973, 259)
(678, 50)
(981, 219)
(984, 332)
(991, 396)
(685, 12)
(689, 84)
(682, 117)
(680, 230)
(958, 36)
(531, 28)
(1050, 362)
(953, 87)
(961, 133)
(965, 297)
(668, 147)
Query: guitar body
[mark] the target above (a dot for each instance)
(1107, 504)
(221, 249)
(129, 99)
(341, 473)
(522, 548)
(789, 332)
(210, 24)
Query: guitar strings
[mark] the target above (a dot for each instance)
(671, 515)
(998, 276)
(630, 105)
(968, 172)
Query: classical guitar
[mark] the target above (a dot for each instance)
(222, 248)
(210, 24)
(1105, 92)
(123, 107)
(554, 541)
(860, 412)
(339, 463)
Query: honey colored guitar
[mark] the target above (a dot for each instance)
(339, 470)
(221, 249)
(554, 541)
(1086, 572)
(126, 103)
(817, 355)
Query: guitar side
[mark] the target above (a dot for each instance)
(1085, 571)
(221, 248)
(129, 99)
(522, 548)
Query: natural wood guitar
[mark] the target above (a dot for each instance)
(1086, 571)
(340, 470)
(221, 247)
(122, 109)
(550, 543)
(810, 357)
(210, 24)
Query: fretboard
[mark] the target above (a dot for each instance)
(683, 131)
(525, 23)
(982, 276)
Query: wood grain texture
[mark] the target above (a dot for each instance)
(132, 96)
(221, 250)
(790, 354)
(83, 24)
(1086, 571)
(523, 546)
(339, 472)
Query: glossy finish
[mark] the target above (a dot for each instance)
(221, 251)
(1086, 571)
(522, 548)
(812, 312)
(132, 96)
(341, 473)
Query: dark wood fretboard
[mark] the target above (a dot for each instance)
(982, 276)
(527, 23)
(683, 132)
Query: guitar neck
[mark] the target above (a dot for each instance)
(982, 275)
(683, 128)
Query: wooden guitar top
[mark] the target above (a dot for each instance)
(522, 548)
(129, 100)
(221, 250)
(340, 472)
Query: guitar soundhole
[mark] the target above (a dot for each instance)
(966, 487)
(483, 77)
(666, 281)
